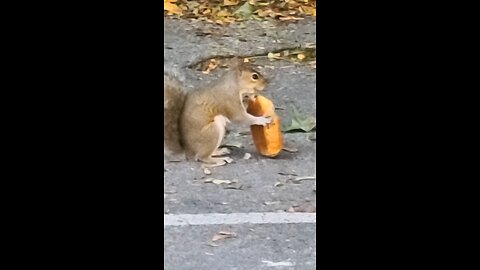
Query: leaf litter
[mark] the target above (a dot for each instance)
(306, 207)
(225, 183)
(224, 12)
(221, 235)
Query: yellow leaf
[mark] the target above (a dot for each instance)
(308, 10)
(274, 55)
(301, 56)
(172, 8)
(223, 13)
(290, 18)
(230, 2)
(213, 64)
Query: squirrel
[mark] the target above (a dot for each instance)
(195, 121)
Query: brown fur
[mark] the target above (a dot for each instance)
(173, 99)
(207, 110)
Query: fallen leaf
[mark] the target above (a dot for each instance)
(220, 181)
(301, 122)
(274, 56)
(211, 11)
(247, 156)
(223, 235)
(298, 180)
(290, 18)
(272, 203)
(230, 2)
(245, 11)
(288, 174)
(290, 149)
(233, 144)
(234, 186)
(213, 64)
(223, 13)
(305, 178)
(303, 208)
(172, 8)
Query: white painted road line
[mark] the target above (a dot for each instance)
(238, 218)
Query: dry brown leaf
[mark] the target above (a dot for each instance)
(290, 149)
(219, 181)
(172, 8)
(288, 174)
(303, 208)
(290, 18)
(272, 203)
(223, 13)
(298, 180)
(233, 186)
(212, 11)
(213, 64)
(230, 2)
(312, 11)
(301, 178)
(274, 56)
(233, 144)
(223, 235)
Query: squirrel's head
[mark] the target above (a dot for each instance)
(250, 80)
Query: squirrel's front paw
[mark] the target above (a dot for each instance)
(262, 120)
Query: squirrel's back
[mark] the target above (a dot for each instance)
(173, 99)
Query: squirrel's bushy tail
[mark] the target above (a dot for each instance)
(173, 99)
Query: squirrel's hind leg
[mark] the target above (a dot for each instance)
(215, 132)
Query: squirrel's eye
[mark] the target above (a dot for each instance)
(255, 76)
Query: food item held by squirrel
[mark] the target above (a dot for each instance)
(267, 139)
